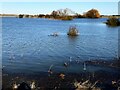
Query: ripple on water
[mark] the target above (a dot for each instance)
(35, 50)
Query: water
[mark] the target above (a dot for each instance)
(27, 46)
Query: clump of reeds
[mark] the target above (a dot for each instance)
(113, 21)
(72, 31)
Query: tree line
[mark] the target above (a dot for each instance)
(65, 14)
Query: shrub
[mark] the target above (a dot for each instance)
(26, 16)
(62, 14)
(67, 18)
(21, 16)
(112, 21)
(72, 31)
(93, 13)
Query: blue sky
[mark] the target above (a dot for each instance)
(106, 8)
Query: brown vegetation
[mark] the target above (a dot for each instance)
(21, 16)
(112, 21)
(72, 31)
(93, 13)
(64, 14)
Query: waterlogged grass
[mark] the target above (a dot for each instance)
(113, 22)
(72, 31)
(63, 17)
(67, 18)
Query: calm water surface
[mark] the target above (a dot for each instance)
(27, 46)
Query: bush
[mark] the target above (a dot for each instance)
(93, 13)
(72, 31)
(21, 16)
(67, 18)
(26, 16)
(113, 22)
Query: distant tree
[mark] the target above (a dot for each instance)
(41, 15)
(79, 16)
(59, 13)
(47, 16)
(20, 15)
(63, 12)
(54, 13)
(26, 16)
(93, 13)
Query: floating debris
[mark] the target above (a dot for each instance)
(54, 34)
(76, 83)
(65, 64)
(62, 76)
(86, 82)
(84, 68)
(94, 84)
(50, 69)
(32, 85)
(114, 82)
(15, 86)
(70, 59)
(86, 85)
(78, 86)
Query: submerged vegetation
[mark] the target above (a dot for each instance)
(72, 31)
(112, 21)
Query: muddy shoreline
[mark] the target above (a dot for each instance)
(45, 81)
(53, 81)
